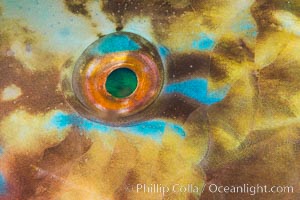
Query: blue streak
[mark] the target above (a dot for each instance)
(163, 52)
(2, 184)
(197, 89)
(61, 121)
(153, 128)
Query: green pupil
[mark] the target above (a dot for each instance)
(121, 82)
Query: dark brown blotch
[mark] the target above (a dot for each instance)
(176, 107)
(188, 65)
(77, 7)
(39, 89)
(217, 71)
(237, 50)
(160, 11)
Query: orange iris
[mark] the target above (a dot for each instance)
(94, 77)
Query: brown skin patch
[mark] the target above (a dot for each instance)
(71, 148)
(292, 6)
(39, 88)
(39, 177)
(217, 71)
(77, 7)
(177, 107)
(278, 83)
(273, 81)
(281, 75)
(262, 12)
(226, 53)
(160, 11)
(188, 65)
(121, 193)
(235, 50)
(265, 159)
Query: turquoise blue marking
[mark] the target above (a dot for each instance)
(163, 52)
(148, 128)
(61, 121)
(205, 43)
(178, 129)
(2, 185)
(154, 128)
(197, 89)
(116, 43)
(1, 151)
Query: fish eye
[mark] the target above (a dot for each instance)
(116, 78)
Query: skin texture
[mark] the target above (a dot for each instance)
(244, 129)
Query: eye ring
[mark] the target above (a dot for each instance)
(87, 85)
(95, 75)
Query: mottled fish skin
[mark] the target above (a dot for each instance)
(228, 113)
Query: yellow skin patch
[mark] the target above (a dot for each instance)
(104, 168)
(30, 134)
